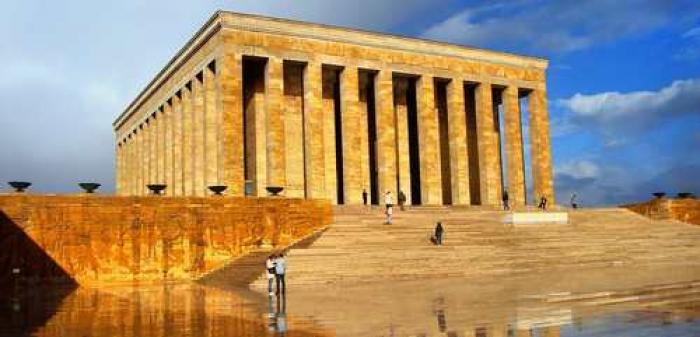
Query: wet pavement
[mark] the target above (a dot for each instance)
(659, 302)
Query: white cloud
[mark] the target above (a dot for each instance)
(692, 34)
(558, 26)
(580, 169)
(691, 48)
(70, 67)
(620, 115)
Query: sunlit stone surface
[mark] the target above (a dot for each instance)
(104, 239)
(327, 112)
(659, 302)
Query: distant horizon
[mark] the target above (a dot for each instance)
(623, 80)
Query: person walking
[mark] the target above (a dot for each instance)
(506, 207)
(543, 203)
(364, 196)
(402, 200)
(389, 202)
(438, 233)
(270, 271)
(280, 269)
(573, 203)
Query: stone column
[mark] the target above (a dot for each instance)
(386, 133)
(122, 168)
(198, 124)
(256, 133)
(160, 153)
(118, 168)
(146, 152)
(168, 147)
(457, 132)
(293, 108)
(146, 156)
(352, 174)
(329, 78)
(129, 164)
(489, 163)
(134, 163)
(314, 175)
(429, 142)
(541, 155)
(515, 164)
(187, 141)
(211, 122)
(231, 93)
(153, 148)
(143, 155)
(176, 139)
(124, 190)
(276, 160)
(402, 143)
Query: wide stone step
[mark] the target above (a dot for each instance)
(359, 247)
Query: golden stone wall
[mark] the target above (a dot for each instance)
(107, 239)
(686, 210)
(309, 71)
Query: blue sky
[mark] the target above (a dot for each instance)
(624, 78)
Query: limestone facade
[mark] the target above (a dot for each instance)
(328, 112)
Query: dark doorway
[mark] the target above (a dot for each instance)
(334, 78)
(498, 122)
(472, 143)
(440, 90)
(367, 98)
(253, 93)
(414, 152)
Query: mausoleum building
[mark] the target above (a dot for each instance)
(327, 112)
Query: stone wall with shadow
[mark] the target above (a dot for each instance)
(23, 260)
(96, 239)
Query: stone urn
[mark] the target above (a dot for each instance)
(218, 189)
(274, 190)
(19, 186)
(156, 189)
(659, 195)
(685, 195)
(89, 187)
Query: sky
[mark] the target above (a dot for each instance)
(623, 79)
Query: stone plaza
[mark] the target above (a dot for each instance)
(327, 112)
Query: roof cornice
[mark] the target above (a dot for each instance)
(259, 23)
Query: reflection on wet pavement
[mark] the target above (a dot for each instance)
(652, 303)
(153, 310)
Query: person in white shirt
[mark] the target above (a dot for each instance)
(389, 202)
(280, 269)
(270, 271)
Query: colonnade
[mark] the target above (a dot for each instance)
(323, 130)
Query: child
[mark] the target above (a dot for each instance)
(270, 271)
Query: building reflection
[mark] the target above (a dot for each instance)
(174, 310)
(195, 310)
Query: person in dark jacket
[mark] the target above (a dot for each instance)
(402, 200)
(438, 233)
(505, 200)
(543, 203)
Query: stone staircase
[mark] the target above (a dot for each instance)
(359, 247)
